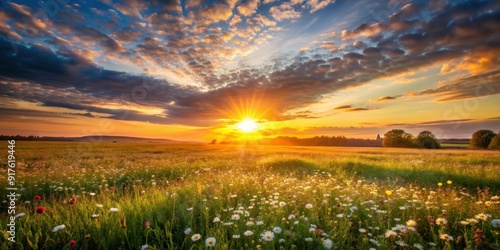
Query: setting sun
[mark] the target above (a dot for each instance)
(248, 126)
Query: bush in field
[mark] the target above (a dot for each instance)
(495, 142)
(481, 139)
(398, 138)
(426, 139)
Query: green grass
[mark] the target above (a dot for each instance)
(356, 196)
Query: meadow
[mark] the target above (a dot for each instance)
(167, 196)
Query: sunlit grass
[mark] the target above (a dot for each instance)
(306, 197)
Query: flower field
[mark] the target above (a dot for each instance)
(158, 196)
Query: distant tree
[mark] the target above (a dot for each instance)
(481, 139)
(213, 141)
(427, 139)
(398, 138)
(495, 142)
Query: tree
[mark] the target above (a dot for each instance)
(426, 139)
(481, 138)
(398, 138)
(495, 142)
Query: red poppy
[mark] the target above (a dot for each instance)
(72, 201)
(72, 243)
(40, 210)
(147, 224)
(36, 198)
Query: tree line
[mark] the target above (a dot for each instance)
(481, 139)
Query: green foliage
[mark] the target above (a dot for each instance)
(398, 138)
(481, 139)
(426, 139)
(495, 142)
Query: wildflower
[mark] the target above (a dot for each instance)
(390, 233)
(267, 236)
(449, 182)
(187, 231)
(328, 243)
(401, 243)
(248, 233)
(113, 209)
(72, 243)
(95, 216)
(362, 230)
(144, 247)
(91, 194)
(309, 206)
(196, 237)
(472, 221)
(259, 223)
(308, 239)
(72, 201)
(210, 242)
(228, 223)
(388, 192)
(482, 216)
(441, 221)
(411, 223)
(216, 219)
(147, 224)
(277, 230)
(22, 214)
(36, 198)
(464, 223)
(495, 223)
(99, 205)
(282, 204)
(432, 244)
(235, 217)
(40, 210)
(58, 228)
(446, 237)
(281, 240)
(418, 246)
(236, 236)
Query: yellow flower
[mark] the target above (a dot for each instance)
(449, 182)
(440, 184)
(388, 192)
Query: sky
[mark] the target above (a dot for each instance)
(194, 70)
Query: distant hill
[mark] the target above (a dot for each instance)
(92, 138)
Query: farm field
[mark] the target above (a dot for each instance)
(167, 196)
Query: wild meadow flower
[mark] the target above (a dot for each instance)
(482, 216)
(309, 239)
(277, 230)
(236, 236)
(362, 230)
(113, 209)
(58, 228)
(99, 205)
(95, 216)
(390, 233)
(418, 246)
(235, 217)
(259, 223)
(187, 231)
(196, 237)
(216, 219)
(72, 201)
(411, 223)
(40, 210)
(147, 224)
(91, 194)
(446, 237)
(309, 205)
(144, 247)
(36, 198)
(267, 236)
(388, 192)
(328, 243)
(449, 182)
(440, 184)
(72, 243)
(210, 242)
(248, 233)
(441, 221)
(464, 223)
(495, 223)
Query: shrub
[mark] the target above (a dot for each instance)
(481, 139)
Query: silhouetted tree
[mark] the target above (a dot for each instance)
(495, 142)
(481, 138)
(427, 139)
(398, 138)
(213, 141)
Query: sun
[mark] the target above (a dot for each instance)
(248, 126)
